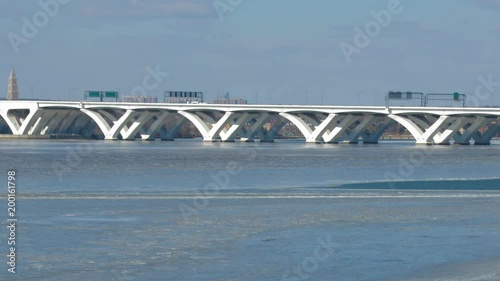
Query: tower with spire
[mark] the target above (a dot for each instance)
(12, 91)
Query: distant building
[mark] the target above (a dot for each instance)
(182, 97)
(140, 99)
(227, 100)
(12, 91)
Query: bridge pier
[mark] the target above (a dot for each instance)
(209, 133)
(257, 123)
(465, 137)
(339, 128)
(170, 133)
(485, 138)
(452, 128)
(154, 128)
(426, 132)
(131, 132)
(236, 124)
(373, 136)
(352, 136)
(268, 135)
(312, 128)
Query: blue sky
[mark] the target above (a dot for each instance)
(264, 51)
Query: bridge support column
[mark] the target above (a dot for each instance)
(465, 137)
(255, 128)
(311, 128)
(428, 136)
(37, 126)
(444, 137)
(22, 126)
(339, 129)
(9, 121)
(154, 128)
(208, 133)
(170, 133)
(236, 126)
(3, 125)
(420, 136)
(485, 138)
(353, 136)
(166, 134)
(374, 136)
(412, 128)
(269, 135)
(131, 132)
(111, 132)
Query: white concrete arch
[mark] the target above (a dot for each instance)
(442, 130)
(335, 127)
(209, 128)
(311, 129)
(426, 135)
(429, 125)
(111, 132)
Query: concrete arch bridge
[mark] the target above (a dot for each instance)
(318, 124)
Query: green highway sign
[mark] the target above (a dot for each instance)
(101, 95)
(111, 94)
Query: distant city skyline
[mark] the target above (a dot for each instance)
(284, 52)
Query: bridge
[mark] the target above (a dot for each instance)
(222, 122)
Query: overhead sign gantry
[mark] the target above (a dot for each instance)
(101, 95)
(424, 99)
